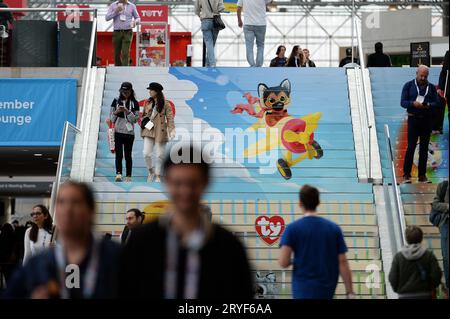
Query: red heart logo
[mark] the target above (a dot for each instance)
(269, 229)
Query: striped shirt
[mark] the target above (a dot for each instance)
(129, 13)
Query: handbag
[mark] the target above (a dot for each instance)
(217, 20)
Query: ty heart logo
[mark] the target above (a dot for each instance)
(269, 229)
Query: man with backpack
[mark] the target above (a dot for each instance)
(439, 218)
(415, 272)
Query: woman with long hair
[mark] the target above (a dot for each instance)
(297, 57)
(124, 113)
(39, 235)
(157, 128)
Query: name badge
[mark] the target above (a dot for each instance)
(129, 127)
(123, 17)
(420, 98)
(149, 125)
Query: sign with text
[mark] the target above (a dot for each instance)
(72, 13)
(269, 228)
(33, 111)
(420, 54)
(25, 188)
(153, 13)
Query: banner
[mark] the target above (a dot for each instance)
(153, 13)
(71, 13)
(33, 111)
(230, 5)
(420, 54)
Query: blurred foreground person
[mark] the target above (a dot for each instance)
(415, 272)
(319, 251)
(184, 255)
(80, 266)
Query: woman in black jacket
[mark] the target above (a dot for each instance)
(297, 57)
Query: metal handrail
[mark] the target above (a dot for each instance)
(48, 9)
(62, 150)
(398, 200)
(362, 67)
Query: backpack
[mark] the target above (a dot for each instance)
(436, 217)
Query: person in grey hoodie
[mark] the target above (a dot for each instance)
(124, 113)
(206, 10)
(415, 272)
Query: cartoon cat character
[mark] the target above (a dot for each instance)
(294, 135)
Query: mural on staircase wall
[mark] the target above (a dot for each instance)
(295, 135)
(280, 129)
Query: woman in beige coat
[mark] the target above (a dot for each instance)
(159, 112)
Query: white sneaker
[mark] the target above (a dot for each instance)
(128, 179)
(158, 179)
(118, 177)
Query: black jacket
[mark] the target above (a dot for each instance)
(379, 60)
(42, 268)
(278, 62)
(224, 271)
(5, 16)
(443, 74)
(310, 63)
(414, 270)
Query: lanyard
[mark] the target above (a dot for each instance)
(90, 276)
(417, 87)
(194, 244)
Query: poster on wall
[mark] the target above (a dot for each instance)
(152, 44)
(420, 54)
(33, 111)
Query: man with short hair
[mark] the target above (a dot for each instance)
(133, 219)
(185, 255)
(379, 59)
(419, 98)
(415, 272)
(125, 17)
(254, 28)
(319, 251)
(308, 63)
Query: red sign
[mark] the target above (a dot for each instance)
(17, 4)
(153, 13)
(72, 14)
(269, 229)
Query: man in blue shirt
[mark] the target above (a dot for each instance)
(419, 98)
(319, 252)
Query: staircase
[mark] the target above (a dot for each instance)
(416, 198)
(241, 192)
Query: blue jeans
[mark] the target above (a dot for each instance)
(209, 36)
(444, 249)
(252, 32)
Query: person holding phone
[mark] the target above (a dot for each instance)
(124, 113)
(158, 127)
(125, 17)
(419, 98)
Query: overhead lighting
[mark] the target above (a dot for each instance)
(37, 154)
(272, 8)
(392, 7)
